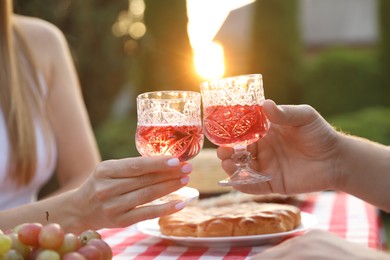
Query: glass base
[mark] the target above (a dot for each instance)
(244, 178)
(244, 175)
(185, 194)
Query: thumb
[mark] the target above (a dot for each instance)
(289, 115)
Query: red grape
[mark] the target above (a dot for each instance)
(35, 241)
(28, 234)
(35, 252)
(91, 252)
(51, 236)
(73, 256)
(103, 247)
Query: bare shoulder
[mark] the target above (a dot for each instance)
(46, 42)
(42, 36)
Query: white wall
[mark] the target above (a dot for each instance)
(339, 21)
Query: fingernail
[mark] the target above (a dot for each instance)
(187, 168)
(180, 205)
(185, 180)
(173, 162)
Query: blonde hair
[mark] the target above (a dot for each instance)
(19, 101)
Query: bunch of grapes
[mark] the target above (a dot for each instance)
(42, 242)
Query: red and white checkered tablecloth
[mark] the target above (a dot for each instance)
(339, 213)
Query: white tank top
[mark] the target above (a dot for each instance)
(11, 195)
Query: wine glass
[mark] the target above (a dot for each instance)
(233, 117)
(169, 123)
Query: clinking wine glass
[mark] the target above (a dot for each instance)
(169, 123)
(233, 117)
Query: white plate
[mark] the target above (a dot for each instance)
(151, 227)
(185, 194)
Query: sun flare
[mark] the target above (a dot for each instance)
(209, 61)
(205, 18)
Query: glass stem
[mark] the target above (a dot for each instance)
(241, 158)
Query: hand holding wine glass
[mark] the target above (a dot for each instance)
(169, 123)
(233, 117)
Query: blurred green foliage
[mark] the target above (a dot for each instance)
(342, 80)
(165, 53)
(277, 49)
(372, 123)
(384, 26)
(116, 138)
(384, 44)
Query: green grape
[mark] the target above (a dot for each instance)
(12, 254)
(71, 243)
(47, 254)
(5, 244)
(88, 235)
(17, 228)
(35, 241)
(23, 249)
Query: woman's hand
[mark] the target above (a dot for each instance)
(114, 193)
(299, 152)
(320, 245)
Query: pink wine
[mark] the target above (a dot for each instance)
(182, 141)
(234, 125)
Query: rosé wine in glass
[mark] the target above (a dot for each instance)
(234, 125)
(169, 123)
(182, 141)
(233, 117)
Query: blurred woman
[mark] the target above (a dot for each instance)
(45, 129)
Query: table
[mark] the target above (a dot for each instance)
(339, 213)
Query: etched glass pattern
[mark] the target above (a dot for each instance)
(169, 123)
(233, 117)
